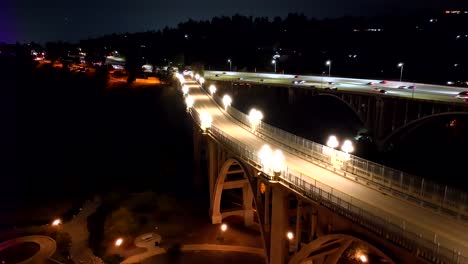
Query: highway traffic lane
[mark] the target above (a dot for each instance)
(422, 91)
(448, 230)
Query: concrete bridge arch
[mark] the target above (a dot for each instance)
(328, 249)
(410, 126)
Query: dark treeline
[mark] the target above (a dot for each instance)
(432, 46)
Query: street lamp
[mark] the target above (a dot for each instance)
(189, 101)
(274, 64)
(205, 121)
(212, 89)
(363, 258)
(197, 76)
(328, 63)
(277, 162)
(185, 90)
(56, 222)
(201, 80)
(332, 142)
(230, 64)
(347, 146)
(223, 227)
(290, 235)
(401, 65)
(255, 116)
(118, 242)
(226, 101)
(265, 157)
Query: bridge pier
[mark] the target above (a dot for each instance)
(279, 220)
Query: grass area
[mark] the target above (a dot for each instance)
(19, 252)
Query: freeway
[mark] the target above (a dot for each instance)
(422, 91)
(427, 224)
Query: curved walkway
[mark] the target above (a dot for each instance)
(152, 250)
(47, 247)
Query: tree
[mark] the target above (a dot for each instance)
(120, 223)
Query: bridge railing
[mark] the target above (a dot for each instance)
(423, 192)
(409, 237)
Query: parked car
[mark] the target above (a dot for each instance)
(298, 82)
(383, 82)
(462, 95)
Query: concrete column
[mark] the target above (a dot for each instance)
(267, 210)
(313, 223)
(197, 141)
(279, 219)
(212, 168)
(298, 226)
(247, 197)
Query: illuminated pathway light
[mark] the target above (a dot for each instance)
(189, 101)
(347, 146)
(278, 161)
(197, 76)
(185, 89)
(206, 120)
(201, 80)
(332, 142)
(227, 100)
(255, 116)
(265, 154)
(212, 89)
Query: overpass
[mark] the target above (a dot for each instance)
(414, 220)
(385, 115)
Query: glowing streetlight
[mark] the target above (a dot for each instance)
(206, 120)
(56, 222)
(265, 154)
(332, 142)
(277, 161)
(274, 64)
(328, 63)
(230, 64)
(201, 80)
(255, 116)
(197, 76)
(401, 65)
(227, 100)
(212, 89)
(185, 89)
(224, 227)
(118, 242)
(189, 101)
(363, 258)
(290, 235)
(347, 146)
(178, 75)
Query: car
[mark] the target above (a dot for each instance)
(240, 78)
(378, 90)
(402, 87)
(462, 95)
(296, 76)
(331, 83)
(298, 82)
(383, 82)
(370, 83)
(261, 80)
(217, 75)
(411, 87)
(224, 72)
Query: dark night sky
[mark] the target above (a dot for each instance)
(35, 20)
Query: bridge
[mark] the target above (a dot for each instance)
(327, 201)
(386, 116)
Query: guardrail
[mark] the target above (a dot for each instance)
(418, 190)
(343, 204)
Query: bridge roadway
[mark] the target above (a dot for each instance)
(422, 91)
(431, 226)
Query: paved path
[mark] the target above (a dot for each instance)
(152, 250)
(47, 247)
(77, 228)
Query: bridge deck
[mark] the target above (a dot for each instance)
(447, 231)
